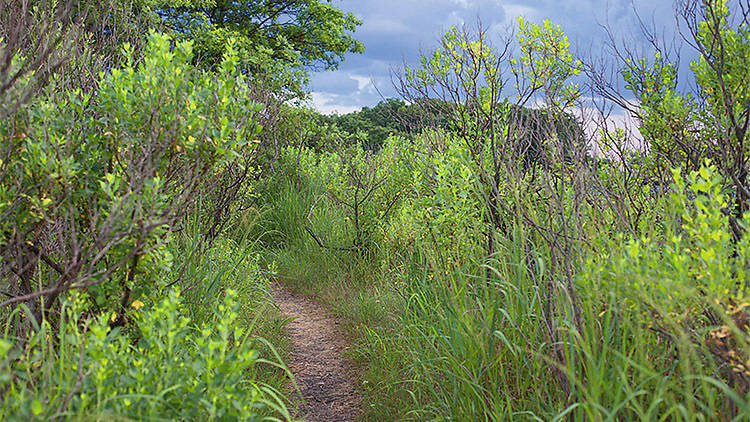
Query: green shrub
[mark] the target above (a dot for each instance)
(691, 260)
(166, 366)
(442, 209)
(93, 184)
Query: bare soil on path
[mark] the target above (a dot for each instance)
(322, 373)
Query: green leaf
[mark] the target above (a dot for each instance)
(36, 407)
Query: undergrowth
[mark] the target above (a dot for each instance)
(438, 335)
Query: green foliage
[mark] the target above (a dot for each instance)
(353, 179)
(467, 62)
(546, 63)
(64, 45)
(682, 128)
(669, 118)
(378, 123)
(690, 263)
(194, 355)
(306, 127)
(168, 367)
(467, 74)
(722, 69)
(440, 209)
(276, 39)
(120, 166)
(666, 315)
(369, 127)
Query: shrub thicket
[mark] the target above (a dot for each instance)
(498, 287)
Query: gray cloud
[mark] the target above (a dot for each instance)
(395, 31)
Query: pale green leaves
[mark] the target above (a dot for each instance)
(545, 64)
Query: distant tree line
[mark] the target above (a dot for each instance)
(371, 126)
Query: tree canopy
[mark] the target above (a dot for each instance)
(273, 37)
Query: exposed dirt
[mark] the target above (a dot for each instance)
(322, 374)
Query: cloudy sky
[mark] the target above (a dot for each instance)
(395, 31)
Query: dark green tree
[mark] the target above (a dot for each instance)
(283, 38)
(393, 116)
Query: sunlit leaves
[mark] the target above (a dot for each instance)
(694, 261)
(546, 63)
(118, 166)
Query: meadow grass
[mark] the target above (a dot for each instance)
(482, 338)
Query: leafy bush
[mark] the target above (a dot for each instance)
(687, 262)
(441, 208)
(165, 367)
(94, 188)
(93, 184)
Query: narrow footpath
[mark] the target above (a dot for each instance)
(322, 373)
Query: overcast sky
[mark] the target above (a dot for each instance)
(394, 31)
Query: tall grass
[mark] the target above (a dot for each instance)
(301, 263)
(206, 332)
(441, 336)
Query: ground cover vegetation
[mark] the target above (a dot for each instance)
(131, 288)
(526, 260)
(497, 248)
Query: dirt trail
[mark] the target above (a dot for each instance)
(328, 393)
